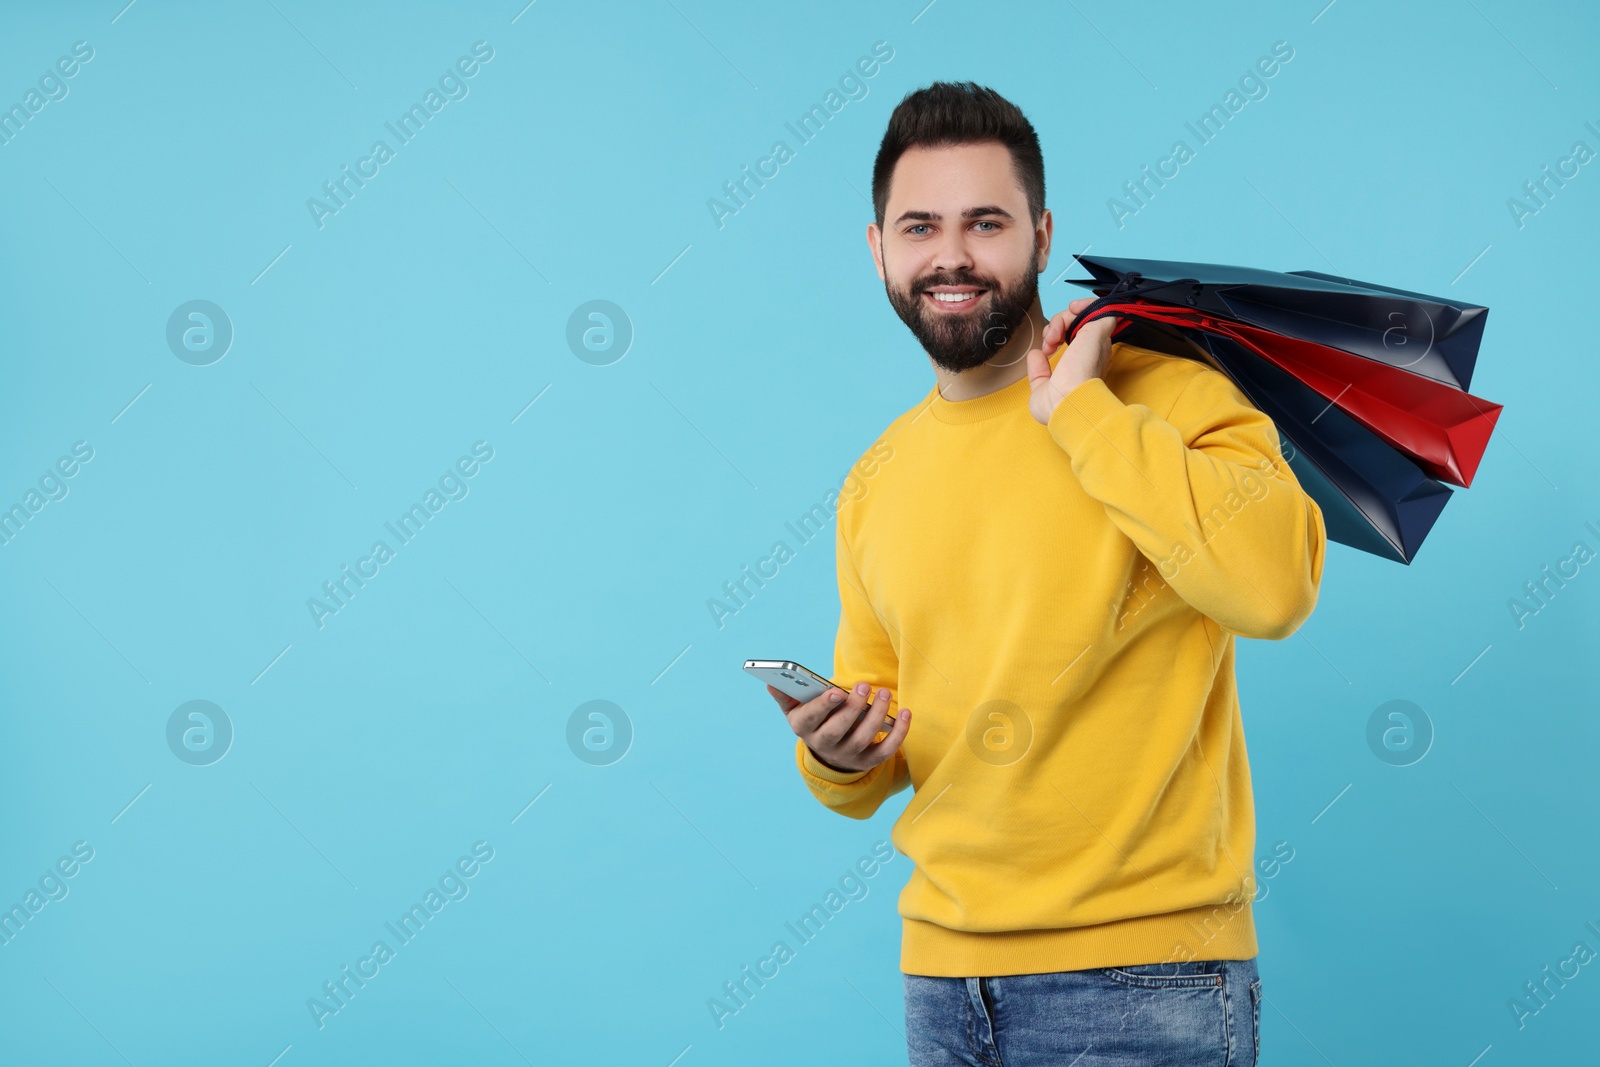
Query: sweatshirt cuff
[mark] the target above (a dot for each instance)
(1074, 420)
(810, 767)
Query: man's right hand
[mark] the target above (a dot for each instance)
(838, 727)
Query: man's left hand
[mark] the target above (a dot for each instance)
(1085, 358)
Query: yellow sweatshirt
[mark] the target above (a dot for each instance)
(1057, 605)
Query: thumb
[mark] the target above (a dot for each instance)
(1038, 369)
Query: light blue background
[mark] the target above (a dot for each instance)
(428, 714)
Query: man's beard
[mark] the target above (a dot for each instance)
(967, 339)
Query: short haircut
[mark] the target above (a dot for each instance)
(954, 113)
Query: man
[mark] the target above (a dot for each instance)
(1052, 568)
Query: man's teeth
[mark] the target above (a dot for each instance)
(954, 298)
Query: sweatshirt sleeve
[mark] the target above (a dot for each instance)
(1204, 494)
(861, 651)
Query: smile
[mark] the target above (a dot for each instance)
(954, 300)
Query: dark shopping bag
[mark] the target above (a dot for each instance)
(1426, 335)
(1373, 428)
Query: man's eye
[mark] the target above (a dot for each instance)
(987, 223)
(918, 226)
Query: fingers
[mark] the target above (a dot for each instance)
(786, 702)
(841, 732)
(1104, 326)
(831, 733)
(875, 754)
(806, 718)
(1055, 331)
(847, 750)
(862, 733)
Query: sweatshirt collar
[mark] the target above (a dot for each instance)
(1010, 398)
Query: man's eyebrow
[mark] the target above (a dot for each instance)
(970, 213)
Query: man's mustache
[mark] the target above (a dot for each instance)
(930, 283)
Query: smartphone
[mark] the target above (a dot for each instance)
(790, 678)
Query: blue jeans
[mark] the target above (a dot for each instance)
(1204, 1013)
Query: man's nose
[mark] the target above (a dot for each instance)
(951, 253)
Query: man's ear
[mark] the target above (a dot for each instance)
(875, 243)
(1042, 238)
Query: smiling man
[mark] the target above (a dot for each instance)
(1053, 572)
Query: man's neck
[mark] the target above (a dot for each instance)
(1006, 366)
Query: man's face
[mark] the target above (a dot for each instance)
(957, 223)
